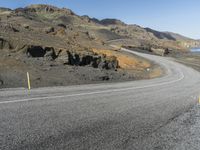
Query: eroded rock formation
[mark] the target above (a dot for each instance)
(39, 51)
(94, 60)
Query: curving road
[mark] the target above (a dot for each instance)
(97, 116)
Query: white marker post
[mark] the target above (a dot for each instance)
(29, 82)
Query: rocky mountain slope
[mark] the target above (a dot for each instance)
(59, 47)
(147, 38)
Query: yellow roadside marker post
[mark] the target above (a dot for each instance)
(29, 82)
(199, 100)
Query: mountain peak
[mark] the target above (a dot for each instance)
(110, 21)
(41, 7)
(5, 9)
(46, 8)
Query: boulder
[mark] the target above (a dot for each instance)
(50, 53)
(104, 78)
(49, 30)
(1, 82)
(160, 51)
(102, 65)
(26, 26)
(35, 51)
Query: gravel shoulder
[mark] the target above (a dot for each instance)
(182, 133)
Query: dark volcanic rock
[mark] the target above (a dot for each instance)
(1, 82)
(37, 51)
(104, 78)
(80, 60)
(93, 60)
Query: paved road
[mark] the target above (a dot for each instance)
(98, 116)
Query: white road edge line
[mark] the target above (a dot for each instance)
(92, 93)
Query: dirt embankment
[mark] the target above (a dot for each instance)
(133, 63)
(50, 67)
(189, 59)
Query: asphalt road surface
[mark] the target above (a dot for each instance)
(98, 116)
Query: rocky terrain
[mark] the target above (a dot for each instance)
(59, 47)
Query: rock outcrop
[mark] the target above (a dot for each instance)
(73, 58)
(49, 30)
(38, 51)
(48, 9)
(1, 82)
(4, 44)
(6, 27)
(96, 61)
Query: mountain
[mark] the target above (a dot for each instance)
(107, 22)
(45, 40)
(90, 30)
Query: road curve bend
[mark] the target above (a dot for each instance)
(97, 116)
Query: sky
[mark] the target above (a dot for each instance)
(180, 16)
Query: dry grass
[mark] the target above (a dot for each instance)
(156, 72)
(126, 61)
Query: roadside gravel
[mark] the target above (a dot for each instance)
(182, 133)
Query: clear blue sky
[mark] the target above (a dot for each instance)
(181, 16)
